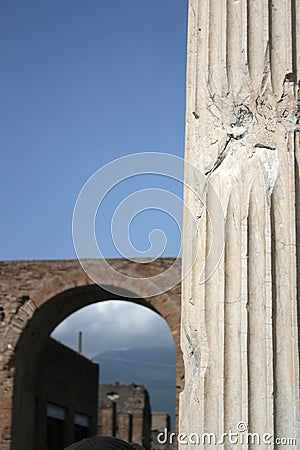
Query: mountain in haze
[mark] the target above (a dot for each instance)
(154, 368)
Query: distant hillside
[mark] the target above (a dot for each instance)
(152, 367)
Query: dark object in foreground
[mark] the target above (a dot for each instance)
(103, 443)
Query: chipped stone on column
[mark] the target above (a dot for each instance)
(239, 322)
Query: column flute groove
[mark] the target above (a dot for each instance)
(239, 315)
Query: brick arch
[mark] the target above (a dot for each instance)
(35, 297)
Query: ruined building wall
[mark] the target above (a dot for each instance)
(69, 380)
(128, 408)
(35, 296)
(125, 412)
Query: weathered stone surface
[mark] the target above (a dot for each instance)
(239, 308)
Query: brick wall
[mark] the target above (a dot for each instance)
(35, 296)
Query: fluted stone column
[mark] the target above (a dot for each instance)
(239, 307)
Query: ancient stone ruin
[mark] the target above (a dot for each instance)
(239, 304)
(240, 300)
(35, 297)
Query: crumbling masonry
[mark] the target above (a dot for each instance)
(35, 297)
(239, 307)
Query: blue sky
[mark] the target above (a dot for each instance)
(82, 83)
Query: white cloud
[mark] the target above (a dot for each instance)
(114, 324)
